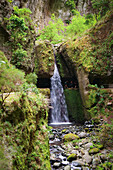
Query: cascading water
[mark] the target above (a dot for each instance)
(59, 112)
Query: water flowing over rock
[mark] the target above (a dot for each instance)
(59, 109)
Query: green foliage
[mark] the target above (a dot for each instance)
(79, 24)
(56, 32)
(19, 56)
(99, 99)
(10, 1)
(24, 130)
(21, 33)
(101, 6)
(53, 31)
(31, 78)
(71, 5)
(106, 134)
(11, 79)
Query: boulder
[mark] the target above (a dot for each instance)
(72, 157)
(56, 164)
(70, 137)
(93, 151)
(67, 167)
(82, 135)
(87, 158)
(88, 145)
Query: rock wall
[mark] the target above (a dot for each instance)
(44, 59)
(74, 105)
(90, 55)
(42, 9)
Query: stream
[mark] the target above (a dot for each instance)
(72, 147)
(82, 158)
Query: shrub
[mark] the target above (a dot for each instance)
(31, 78)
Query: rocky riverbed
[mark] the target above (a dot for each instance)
(78, 148)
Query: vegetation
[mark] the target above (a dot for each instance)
(56, 32)
(10, 79)
(23, 109)
(101, 7)
(31, 78)
(53, 31)
(21, 32)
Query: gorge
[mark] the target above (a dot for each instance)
(81, 32)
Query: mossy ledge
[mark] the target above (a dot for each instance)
(24, 133)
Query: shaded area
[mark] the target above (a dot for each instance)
(74, 105)
(43, 83)
(69, 82)
(106, 81)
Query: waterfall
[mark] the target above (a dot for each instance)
(59, 108)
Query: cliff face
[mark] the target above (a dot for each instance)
(91, 59)
(42, 9)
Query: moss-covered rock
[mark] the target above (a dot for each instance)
(70, 137)
(44, 59)
(72, 157)
(74, 105)
(25, 131)
(100, 146)
(94, 151)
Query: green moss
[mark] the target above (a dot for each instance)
(94, 151)
(70, 137)
(72, 157)
(26, 131)
(74, 105)
(44, 60)
(64, 130)
(4, 162)
(99, 146)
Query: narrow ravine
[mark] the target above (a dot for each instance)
(77, 147)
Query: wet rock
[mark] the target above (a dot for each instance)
(103, 157)
(74, 151)
(87, 158)
(80, 162)
(88, 145)
(72, 157)
(60, 149)
(68, 167)
(85, 168)
(75, 164)
(70, 137)
(82, 135)
(56, 164)
(51, 136)
(95, 162)
(64, 162)
(93, 151)
(77, 168)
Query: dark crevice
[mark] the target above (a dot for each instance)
(105, 81)
(43, 83)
